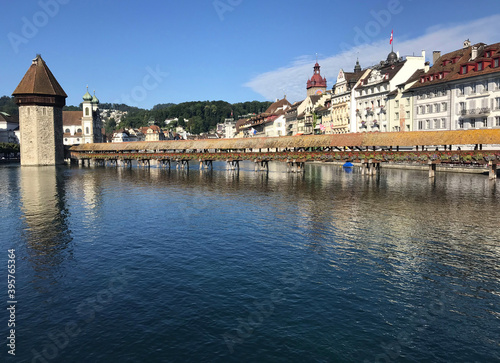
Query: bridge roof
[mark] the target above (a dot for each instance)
(426, 138)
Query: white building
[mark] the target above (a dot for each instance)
(372, 92)
(460, 91)
(9, 128)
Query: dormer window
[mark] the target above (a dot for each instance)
(495, 63)
(479, 66)
(463, 70)
(488, 54)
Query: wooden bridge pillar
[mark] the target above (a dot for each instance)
(432, 169)
(492, 166)
(164, 163)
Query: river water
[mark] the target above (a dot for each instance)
(138, 265)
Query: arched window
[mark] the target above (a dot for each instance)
(79, 130)
(67, 131)
(86, 111)
(87, 130)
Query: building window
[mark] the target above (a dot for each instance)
(480, 66)
(462, 107)
(397, 103)
(79, 130)
(65, 139)
(428, 110)
(460, 124)
(473, 122)
(464, 69)
(485, 122)
(436, 123)
(495, 63)
(473, 88)
(86, 111)
(444, 106)
(497, 103)
(396, 116)
(407, 115)
(437, 107)
(497, 121)
(443, 123)
(67, 131)
(44, 111)
(420, 125)
(428, 124)
(461, 90)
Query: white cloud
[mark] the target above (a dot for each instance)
(292, 79)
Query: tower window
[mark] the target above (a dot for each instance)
(44, 111)
(87, 130)
(86, 111)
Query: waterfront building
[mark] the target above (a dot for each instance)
(40, 99)
(342, 93)
(373, 89)
(226, 129)
(152, 133)
(291, 119)
(306, 113)
(270, 123)
(399, 105)
(9, 128)
(460, 91)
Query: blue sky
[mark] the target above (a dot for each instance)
(149, 52)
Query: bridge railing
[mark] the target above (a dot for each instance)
(452, 157)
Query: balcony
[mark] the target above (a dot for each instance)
(481, 111)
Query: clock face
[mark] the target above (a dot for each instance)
(319, 92)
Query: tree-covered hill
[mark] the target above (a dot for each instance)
(201, 116)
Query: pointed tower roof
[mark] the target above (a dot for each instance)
(316, 80)
(39, 80)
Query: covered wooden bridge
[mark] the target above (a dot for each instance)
(483, 147)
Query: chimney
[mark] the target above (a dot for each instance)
(435, 56)
(423, 54)
(473, 54)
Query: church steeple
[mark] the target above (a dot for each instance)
(357, 67)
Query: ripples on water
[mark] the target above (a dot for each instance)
(156, 265)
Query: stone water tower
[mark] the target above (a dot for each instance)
(40, 99)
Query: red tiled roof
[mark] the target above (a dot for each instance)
(452, 70)
(72, 118)
(278, 104)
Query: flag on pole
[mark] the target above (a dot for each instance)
(392, 36)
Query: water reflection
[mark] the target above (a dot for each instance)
(45, 217)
